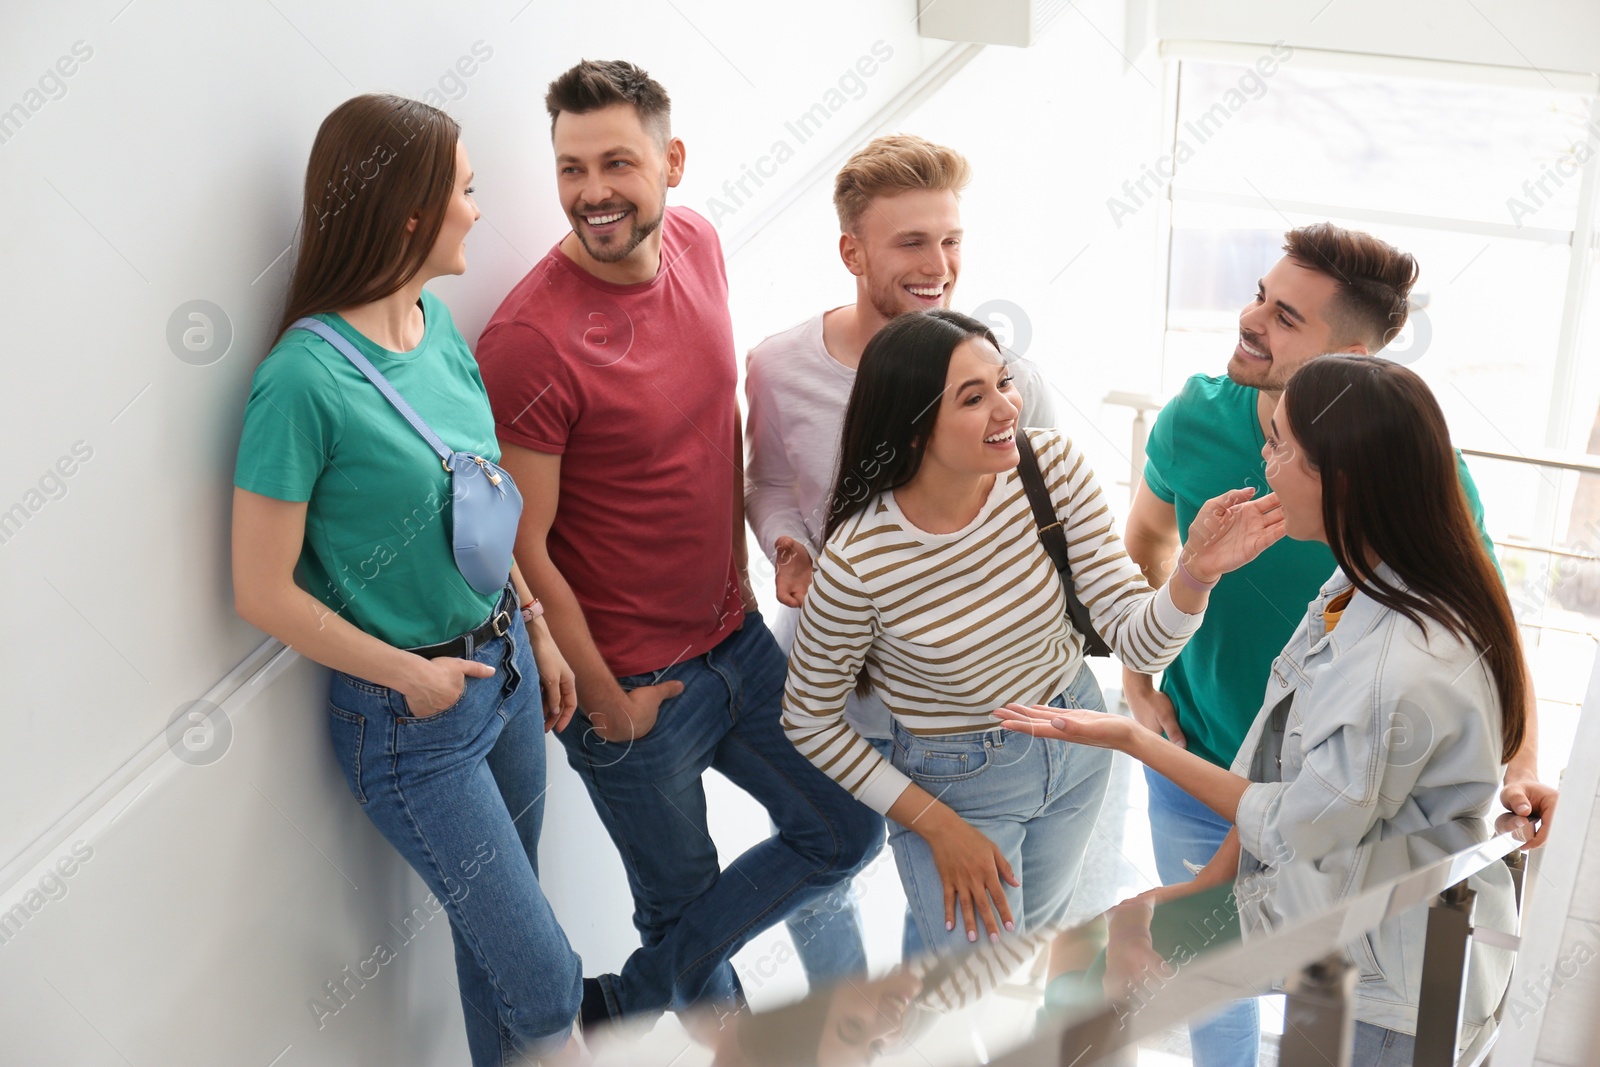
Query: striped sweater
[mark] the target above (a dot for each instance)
(952, 626)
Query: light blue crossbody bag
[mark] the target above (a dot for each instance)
(484, 503)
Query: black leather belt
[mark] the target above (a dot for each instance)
(498, 624)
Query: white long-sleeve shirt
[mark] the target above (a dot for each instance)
(952, 626)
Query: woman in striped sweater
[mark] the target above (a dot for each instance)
(935, 589)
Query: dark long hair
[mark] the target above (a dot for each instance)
(894, 404)
(376, 161)
(1375, 433)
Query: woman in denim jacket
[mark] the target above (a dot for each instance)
(1397, 700)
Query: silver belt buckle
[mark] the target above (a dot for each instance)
(501, 621)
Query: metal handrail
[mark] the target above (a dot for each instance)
(1581, 462)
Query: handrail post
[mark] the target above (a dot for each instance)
(1445, 956)
(1318, 1018)
(1518, 862)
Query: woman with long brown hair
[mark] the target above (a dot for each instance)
(936, 586)
(434, 700)
(1397, 700)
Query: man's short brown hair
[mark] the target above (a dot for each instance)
(595, 84)
(895, 164)
(1373, 281)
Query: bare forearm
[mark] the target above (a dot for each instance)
(312, 629)
(1154, 555)
(741, 546)
(597, 686)
(1224, 866)
(1212, 786)
(538, 629)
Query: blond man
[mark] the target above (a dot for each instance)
(900, 236)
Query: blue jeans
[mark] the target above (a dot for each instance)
(827, 932)
(1035, 798)
(1376, 1046)
(1183, 829)
(460, 794)
(692, 915)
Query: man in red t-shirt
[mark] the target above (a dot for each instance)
(612, 375)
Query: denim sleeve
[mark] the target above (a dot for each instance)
(1419, 736)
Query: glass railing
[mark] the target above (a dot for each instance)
(1415, 933)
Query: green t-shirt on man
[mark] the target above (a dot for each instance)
(1206, 441)
(377, 542)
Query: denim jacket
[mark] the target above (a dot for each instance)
(1391, 728)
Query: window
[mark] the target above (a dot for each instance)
(1489, 186)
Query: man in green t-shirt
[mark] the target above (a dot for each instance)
(1336, 290)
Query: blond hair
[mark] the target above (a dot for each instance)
(896, 164)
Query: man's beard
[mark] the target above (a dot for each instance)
(636, 234)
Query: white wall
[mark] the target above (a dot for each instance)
(216, 899)
(169, 172)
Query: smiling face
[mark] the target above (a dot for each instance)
(612, 175)
(1298, 485)
(1284, 326)
(906, 251)
(449, 252)
(975, 430)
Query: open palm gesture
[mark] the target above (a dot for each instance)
(1230, 531)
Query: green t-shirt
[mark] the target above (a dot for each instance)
(377, 545)
(1206, 441)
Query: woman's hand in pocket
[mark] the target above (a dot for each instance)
(438, 683)
(971, 867)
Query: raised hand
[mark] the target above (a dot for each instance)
(1230, 531)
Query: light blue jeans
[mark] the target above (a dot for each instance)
(1035, 798)
(1376, 1046)
(1183, 829)
(460, 794)
(691, 913)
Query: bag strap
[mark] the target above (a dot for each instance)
(1054, 537)
(364, 365)
(1051, 532)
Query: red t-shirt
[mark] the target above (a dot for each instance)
(634, 387)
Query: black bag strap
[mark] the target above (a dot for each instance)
(1054, 537)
